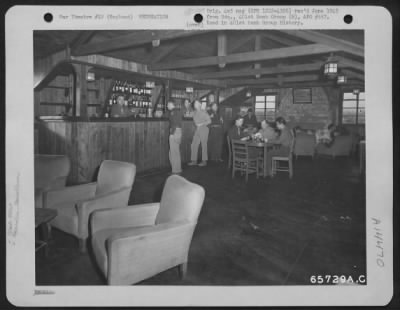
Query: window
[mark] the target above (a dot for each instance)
(265, 107)
(353, 109)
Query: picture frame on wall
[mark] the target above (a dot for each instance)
(302, 96)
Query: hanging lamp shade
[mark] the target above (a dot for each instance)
(331, 67)
(342, 79)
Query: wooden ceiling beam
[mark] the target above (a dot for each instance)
(83, 37)
(274, 80)
(135, 39)
(307, 84)
(280, 39)
(159, 54)
(222, 43)
(257, 47)
(315, 66)
(276, 53)
(237, 43)
(345, 62)
(321, 38)
(354, 74)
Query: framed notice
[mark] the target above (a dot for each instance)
(302, 95)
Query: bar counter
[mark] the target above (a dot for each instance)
(88, 141)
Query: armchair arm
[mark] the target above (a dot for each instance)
(117, 198)
(139, 253)
(130, 216)
(77, 192)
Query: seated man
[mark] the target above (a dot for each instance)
(266, 131)
(285, 140)
(236, 132)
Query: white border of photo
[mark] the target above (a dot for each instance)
(20, 257)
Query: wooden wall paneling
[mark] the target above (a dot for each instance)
(146, 146)
(95, 147)
(139, 137)
(163, 137)
(132, 143)
(154, 146)
(83, 156)
(164, 145)
(144, 143)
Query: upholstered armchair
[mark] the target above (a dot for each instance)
(136, 242)
(305, 145)
(75, 203)
(51, 172)
(341, 146)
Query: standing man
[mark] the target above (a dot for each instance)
(216, 134)
(250, 120)
(201, 120)
(175, 137)
(119, 109)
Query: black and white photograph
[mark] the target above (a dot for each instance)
(201, 158)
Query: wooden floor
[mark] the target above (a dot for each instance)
(266, 232)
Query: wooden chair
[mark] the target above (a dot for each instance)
(228, 140)
(289, 159)
(241, 159)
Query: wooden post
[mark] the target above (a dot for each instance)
(102, 96)
(36, 107)
(216, 95)
(81, 90)
(167, 94)
(257, 47)
(222, 48)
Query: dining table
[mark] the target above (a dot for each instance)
(265, 146)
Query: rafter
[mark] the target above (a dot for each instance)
(274, 80)
(83, 37)
(317, 37)
(315, 66)
(345, 62)
(160, 53)
(257, 47)
(222, 43)
(237, 43)
(354, 74)
(134, 39)
(280, 39)
(277, 53)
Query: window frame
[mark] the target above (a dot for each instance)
(265, 109)
(357, 107)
